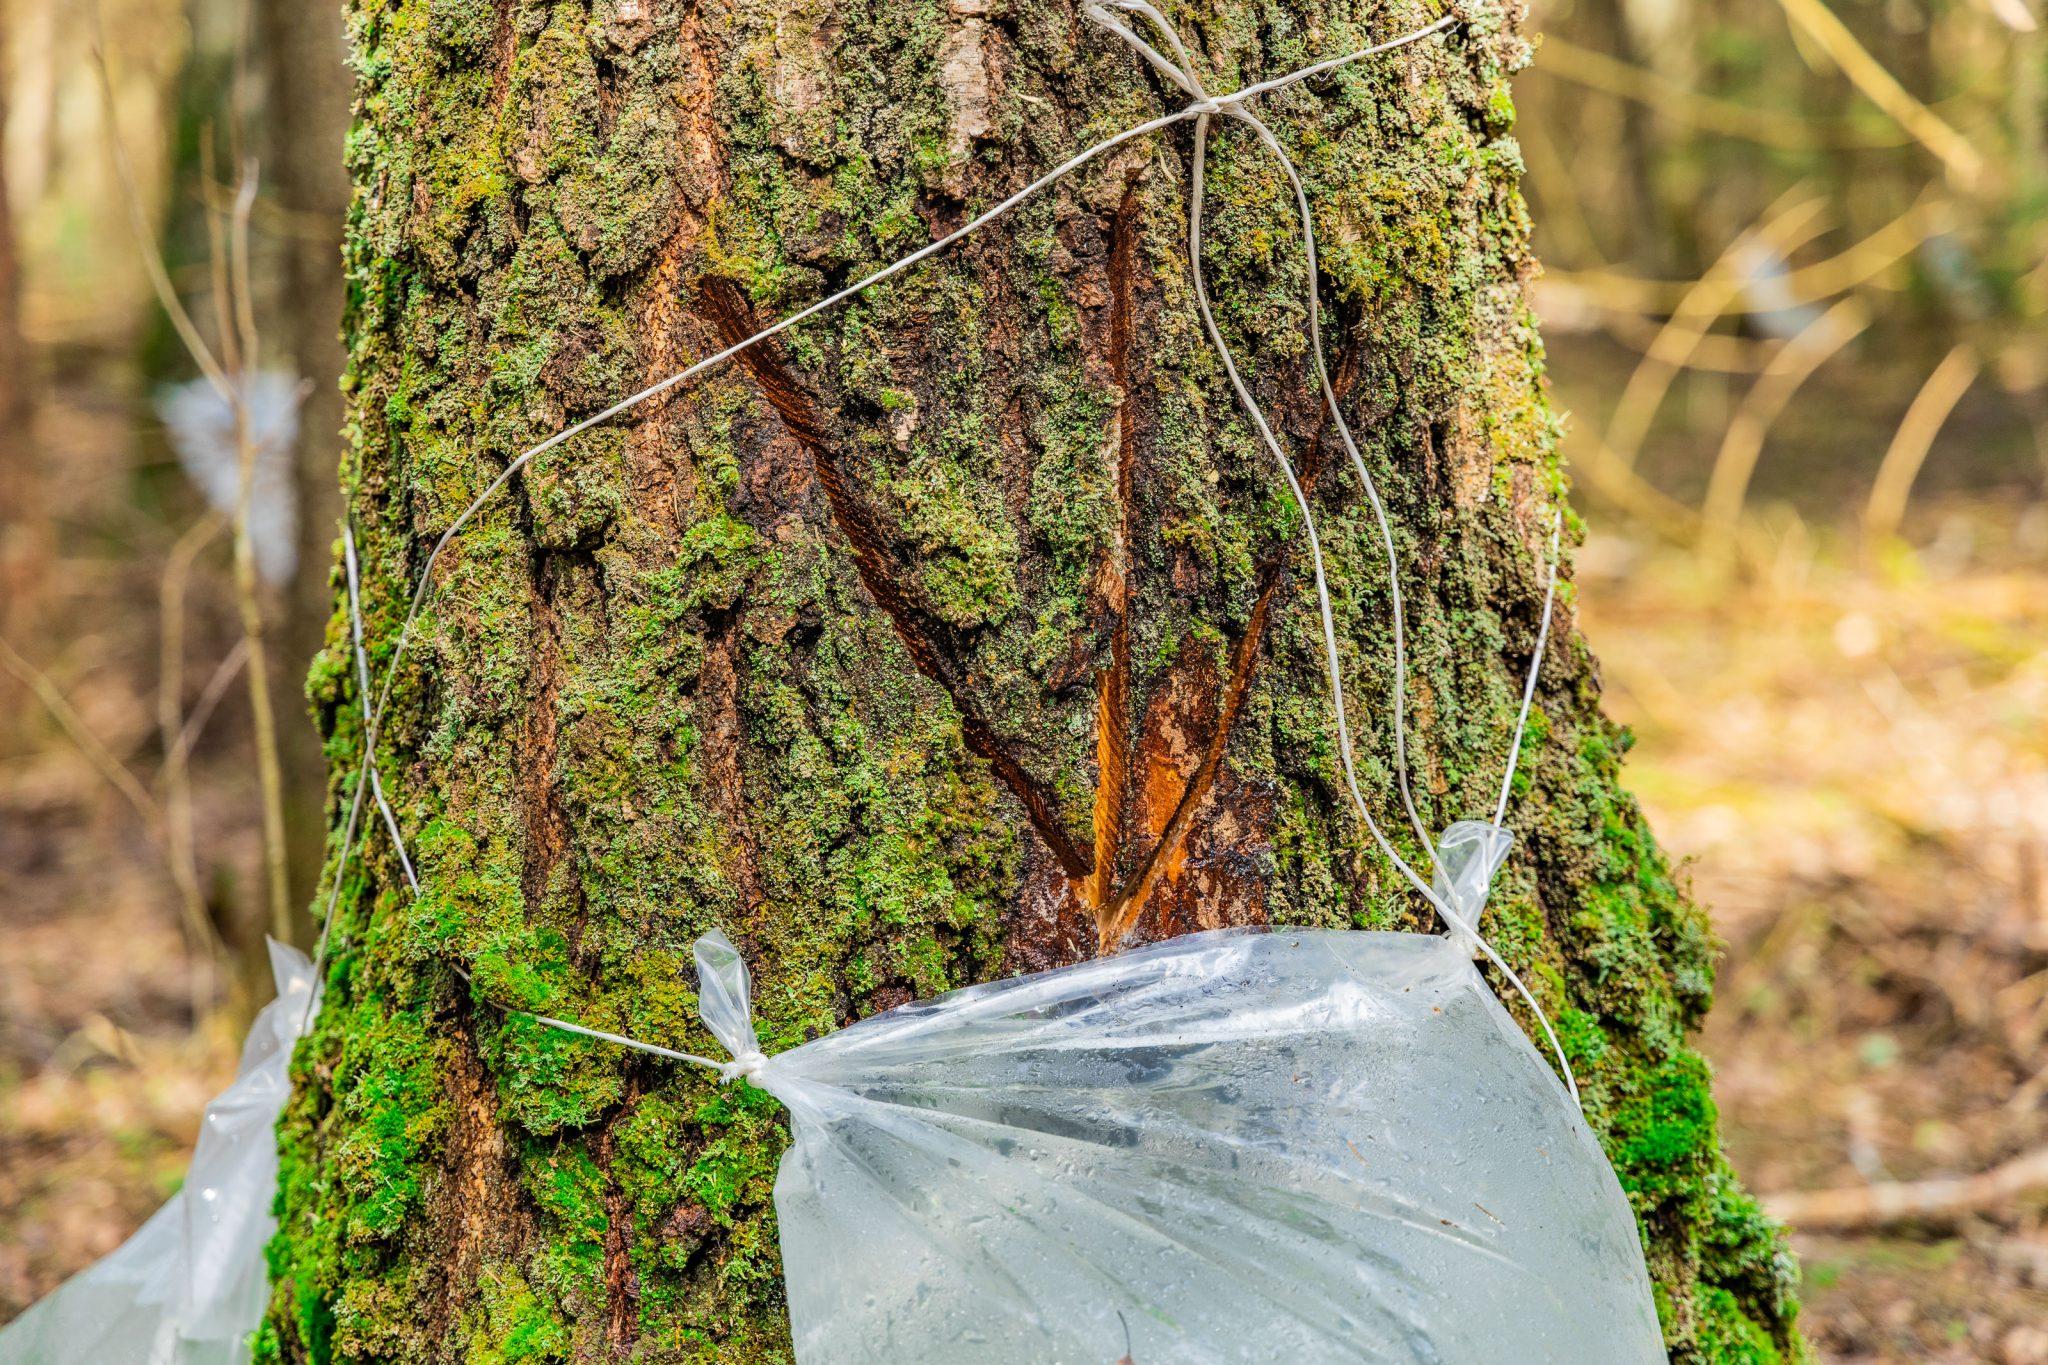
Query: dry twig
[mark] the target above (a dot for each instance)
(1923, 421)
(1965, 164)
(1856, 264)
(248, 600)
(1731, 118)
(1783, 227)
(235, 318)
(1944, 1199)
(102, 759)
(1728, 486)
(174, 777)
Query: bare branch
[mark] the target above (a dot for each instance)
(1944, 1199)
(96, 753)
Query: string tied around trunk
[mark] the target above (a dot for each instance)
(1459, 913)
(1458, 897)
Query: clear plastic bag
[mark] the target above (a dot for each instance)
(1235, 1146)
(189, 1288)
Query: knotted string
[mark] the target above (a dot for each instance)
(1201, 108)
(1204, 106)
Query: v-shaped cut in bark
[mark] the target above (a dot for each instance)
(1117, 916)
(1091, 872)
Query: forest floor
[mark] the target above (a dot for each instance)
(1849, 754)
(1853, 762)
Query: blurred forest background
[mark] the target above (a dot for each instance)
(1796, 277)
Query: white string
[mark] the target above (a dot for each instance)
(1507, 780)
(748, 1063)
(366, 775)
(621, 1040)
(1372, 492)
(1202, 107)
(355, 619)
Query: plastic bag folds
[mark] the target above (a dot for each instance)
(190, 1287)
(1234, 1146)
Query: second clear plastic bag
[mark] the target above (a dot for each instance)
(189, 1287)
(1243, 1145)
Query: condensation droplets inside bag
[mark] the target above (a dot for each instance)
(1236, 1146)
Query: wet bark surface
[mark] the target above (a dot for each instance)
(921, 645)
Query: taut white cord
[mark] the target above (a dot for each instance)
(355, 621)
(1507, 780)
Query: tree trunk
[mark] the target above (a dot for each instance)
(901, 649)
(304, 124)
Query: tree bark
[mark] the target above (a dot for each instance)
(903, 648)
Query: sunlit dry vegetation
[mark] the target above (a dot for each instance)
(1795, 306)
